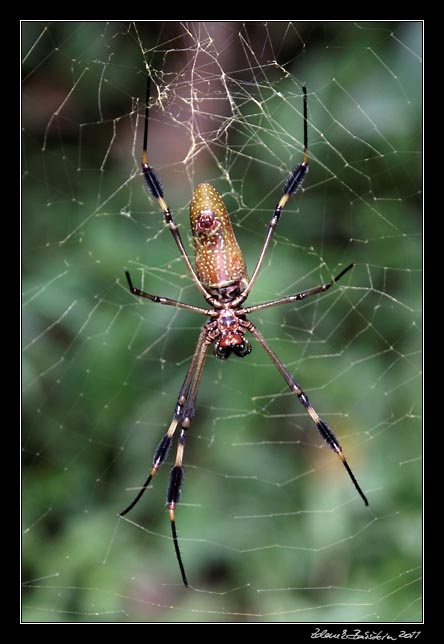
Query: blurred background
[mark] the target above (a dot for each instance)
(270, 526)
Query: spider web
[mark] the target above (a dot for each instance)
(270, 526)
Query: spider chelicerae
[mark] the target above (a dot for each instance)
(221, 277)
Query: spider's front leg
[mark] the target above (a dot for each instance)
(322, 427)
(184, 412)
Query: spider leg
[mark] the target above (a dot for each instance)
(321, 426)
(155, 188)
(160, 455)
(164, 446)
(297, 296)
(291, 186)
(166, 300)
(184, 412)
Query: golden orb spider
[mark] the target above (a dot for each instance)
(222, 279)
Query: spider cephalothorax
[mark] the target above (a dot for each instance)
(231, 338)
(221, 277)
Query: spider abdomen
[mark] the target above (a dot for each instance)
(219, 259)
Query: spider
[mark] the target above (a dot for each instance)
(221, 277)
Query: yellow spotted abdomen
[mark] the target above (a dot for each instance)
(219, 259)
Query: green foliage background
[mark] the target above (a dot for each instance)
(271, 528)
